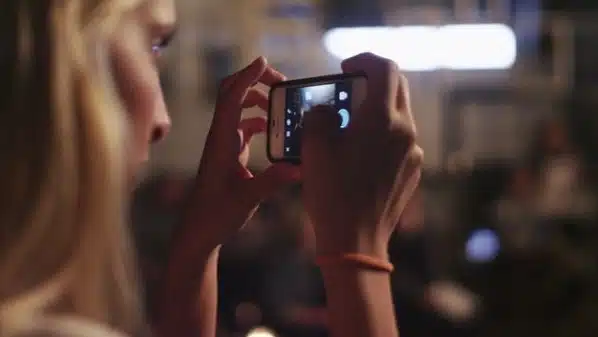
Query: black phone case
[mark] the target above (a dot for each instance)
(300, 82)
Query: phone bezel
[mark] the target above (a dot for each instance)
(272, 120)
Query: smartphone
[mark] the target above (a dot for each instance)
(290, 100)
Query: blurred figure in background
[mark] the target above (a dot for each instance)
(425, 307)
(566, 202)
(516, 216)
(562, 176)
(547, 221)
(249, 256)
(293, 290)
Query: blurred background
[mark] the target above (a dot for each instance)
(501, 239)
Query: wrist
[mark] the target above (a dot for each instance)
(359, 302)
(181, 291)
(358, 261)
(358, 244)
(187, 264)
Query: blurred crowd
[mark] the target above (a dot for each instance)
(504, 249)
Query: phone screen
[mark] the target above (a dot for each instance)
(299, 100)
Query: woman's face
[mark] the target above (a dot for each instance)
(135, 55)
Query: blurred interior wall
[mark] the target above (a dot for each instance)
(218, 37)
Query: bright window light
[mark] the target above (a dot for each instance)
(427, 48)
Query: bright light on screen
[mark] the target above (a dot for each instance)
(427, 48)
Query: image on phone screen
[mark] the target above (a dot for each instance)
(300, 100)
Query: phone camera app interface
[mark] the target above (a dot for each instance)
(299, 100)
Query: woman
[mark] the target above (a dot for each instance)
(81, 104)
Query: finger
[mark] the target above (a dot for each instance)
(226, 83)
(272, 76)
(272, 180)
(230, 102)
(244, 172)
(247, 78)
(247, 129)
(407, 204)
(403, 102)
(412, 217)
(256, 97)
(408, 179)
(244, 151)
(382, 78)
(253, 125)
(250, 127)
(321, 133)
(321, 122)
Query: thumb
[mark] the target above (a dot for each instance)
(272, 180)
(321, 125)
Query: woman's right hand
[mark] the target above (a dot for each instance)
(357, 181)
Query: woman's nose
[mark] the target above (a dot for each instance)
(162, 121)
(160, 131)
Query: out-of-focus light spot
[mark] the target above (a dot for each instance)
(482, 246)
(427, 48)
(261, 332)
(452, 300)
(248, 314)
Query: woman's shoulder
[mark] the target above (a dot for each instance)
(61, 326)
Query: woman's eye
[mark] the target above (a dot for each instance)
(156, 49)
(160, 44)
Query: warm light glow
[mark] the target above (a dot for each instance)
(426, 48)
(261, 332)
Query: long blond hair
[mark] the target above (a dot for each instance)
(64, 248)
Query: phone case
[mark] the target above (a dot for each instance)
(300, 82)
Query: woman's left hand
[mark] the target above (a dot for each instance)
(226, 194)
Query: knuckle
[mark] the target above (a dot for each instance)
(390, 66)
(414, 160)
(416, 156)
(366, 60)
(373, 60)
(227, 81)
(416, 178)
(361, 57)
(406, 133)
(225, 85)
(385, 67)
(403, 80)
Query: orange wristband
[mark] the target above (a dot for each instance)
(357, 260)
